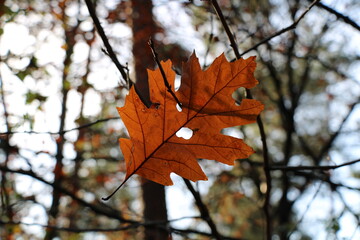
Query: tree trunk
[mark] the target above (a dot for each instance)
(154, 209)
(143, 28)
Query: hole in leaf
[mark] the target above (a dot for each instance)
(239, 95)
(177, 82)
(185, 133)
(178, 107)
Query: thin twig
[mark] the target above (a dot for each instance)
(341, 16)
(326, 147)
(155, 224)
(290, 27)
(203, 210)
(311, 168)
(194, 231)
(260, 124)
(109, 49)
(211, 37)
(6, 114)
(302, 168)
(226, 28)
(61, 132)
(4, 193)
(166, 82)
(97, 208)
(306, 210)
(325, 177)
(133, 225)
(74, 230)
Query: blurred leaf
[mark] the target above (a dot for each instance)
(31, 96)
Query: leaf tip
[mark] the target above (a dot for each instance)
(193, 56)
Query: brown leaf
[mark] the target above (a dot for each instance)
(154, 150)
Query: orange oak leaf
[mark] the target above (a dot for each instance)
(154, 150)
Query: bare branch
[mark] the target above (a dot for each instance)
(325, 177)
(74, 230)
(203, 210)
(109, 212)
(226, 28)
(330, 142)
(284, 30)
(311, 168)
(64, 131)
(260, 124)
(193, 231)
(4, 193)
(341, 16)
(128, 226)
(302, 168)
(306, 210)
(110, 51)
(153, 224)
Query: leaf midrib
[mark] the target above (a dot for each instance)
(188, 120)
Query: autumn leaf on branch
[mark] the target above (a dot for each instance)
(154, 150)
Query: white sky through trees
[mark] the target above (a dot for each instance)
(47, 47)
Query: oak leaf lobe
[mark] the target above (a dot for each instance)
(154, 151)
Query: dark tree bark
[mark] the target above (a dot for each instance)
(143, 28)
(154, 209)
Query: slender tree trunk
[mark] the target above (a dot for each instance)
(143, 28)
(6, 185)
(154, 209)
(58, 170)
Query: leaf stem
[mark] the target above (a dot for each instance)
(117, 189)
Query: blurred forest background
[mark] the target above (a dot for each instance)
(59, 126)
